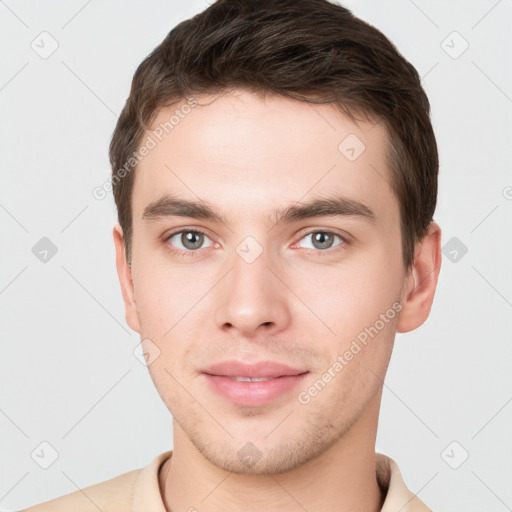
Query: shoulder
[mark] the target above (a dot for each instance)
(114, 495)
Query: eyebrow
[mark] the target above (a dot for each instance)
(338, 206)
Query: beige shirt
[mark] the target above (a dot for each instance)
(138, 491)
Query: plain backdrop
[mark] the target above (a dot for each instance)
(74, 395)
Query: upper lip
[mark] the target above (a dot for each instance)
(261, 369)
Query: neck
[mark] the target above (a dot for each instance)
(341, 479)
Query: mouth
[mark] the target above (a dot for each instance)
(260, 370)
(249, 379)
(252, 385)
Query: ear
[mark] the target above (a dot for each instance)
(125, 279)
(421, 281)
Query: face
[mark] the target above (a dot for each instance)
(260, 279)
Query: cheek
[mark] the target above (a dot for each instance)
(164, 295)
(172, 314)
(350, 297)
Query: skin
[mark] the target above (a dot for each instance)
(296, 303)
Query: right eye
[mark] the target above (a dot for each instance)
(187, 240)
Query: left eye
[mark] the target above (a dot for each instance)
(322, 240)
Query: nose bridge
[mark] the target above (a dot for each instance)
(251, 295)
(250, 273)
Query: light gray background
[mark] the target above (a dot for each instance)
(68, 373)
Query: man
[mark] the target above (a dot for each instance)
(275, 174)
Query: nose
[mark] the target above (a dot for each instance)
(251, 301)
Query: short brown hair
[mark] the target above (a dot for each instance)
(311, 50)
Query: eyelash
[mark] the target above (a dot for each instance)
(318, 252)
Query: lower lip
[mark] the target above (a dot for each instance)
(253, 394)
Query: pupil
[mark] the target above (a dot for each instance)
(320, 238)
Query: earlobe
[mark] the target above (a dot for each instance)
(125, 279)
(421, 281)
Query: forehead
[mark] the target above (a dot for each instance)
(250, 155)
